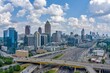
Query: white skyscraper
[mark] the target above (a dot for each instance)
(37, 42)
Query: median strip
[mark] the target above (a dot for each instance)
(58, 56)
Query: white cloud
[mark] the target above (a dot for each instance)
(57, 19)
(34, 16)
(21, 13)
(39, 3)
(100, 6)
(22, 3)
(5, 18)
(55, 10)
(66, 7)
(6, 8)
(58, 27)
(56, 13)
(1, 2)
(91, 20)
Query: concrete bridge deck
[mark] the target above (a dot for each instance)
(88, 66)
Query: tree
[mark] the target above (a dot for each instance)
(17, 68)
(1, 71)
(11, 70)
(8, 61)
(6, 71)
(1, 63)
(103, 61)
(89, 59)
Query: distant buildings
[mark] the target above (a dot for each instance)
(40, 30)
(43, 39)
(52, 48)
(10, 40)
(73, 40)
(56, 37)
(29, 40)
(89, 37)
(82, 35)
(37, 38)
(48, 31)
(27, 30)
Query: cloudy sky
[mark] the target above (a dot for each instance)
(64, 15)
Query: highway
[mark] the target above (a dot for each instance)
(63, 69)
(63, 62)
(7, 66)
(43, 69)
(4, 54)
(29, 69)
(72, 54)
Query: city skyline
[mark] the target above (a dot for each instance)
(91, 15)
(55, 36)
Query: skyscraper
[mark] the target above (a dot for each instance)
(43, 39)
(37, 42)
(27, 30)
(10, 40)
(56, 37)
(48, 31)
(29, 40)
(40, 30)
(82, 35)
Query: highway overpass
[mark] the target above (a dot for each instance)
(87, 66)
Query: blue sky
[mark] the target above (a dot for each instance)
(74, 9)
(64, 15)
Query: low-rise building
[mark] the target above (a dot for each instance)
(52, 48)
(40, 51)
(4, 48)
(99, 53)
(22, 53)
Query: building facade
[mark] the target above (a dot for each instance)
(56, 37)
(27, 30)
(40, 30)
(10, 40)
(29, 40)
(37, 38)
(48, 31)
(43, 39)
(82, 35)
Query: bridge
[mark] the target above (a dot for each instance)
(88, 66)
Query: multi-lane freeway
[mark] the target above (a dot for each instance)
(64, 69)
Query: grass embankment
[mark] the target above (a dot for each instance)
(22, 67)
(58, 56)
(77, 72)
(62, 48)
(54, 70)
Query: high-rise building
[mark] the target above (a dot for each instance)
(71, 33)
(56, 37)
(29, 40)
(37, 42)
(48, 31)
(27, 30)
(43, 39)
(40, 30)
(82, 34)
(10, 40)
